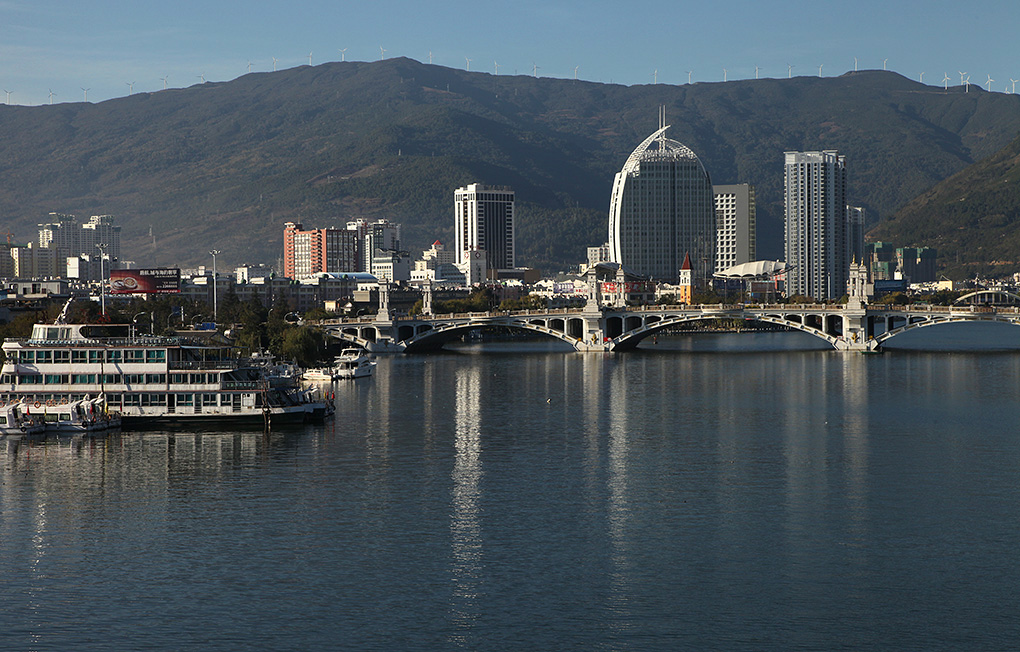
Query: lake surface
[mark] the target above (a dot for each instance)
(709, 492)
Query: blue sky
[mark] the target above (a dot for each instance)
(64, 46)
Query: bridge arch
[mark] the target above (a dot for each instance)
(979, 297)
(441, 333)
(950, 318)
(630, 339)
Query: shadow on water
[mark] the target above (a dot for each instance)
(958, 337)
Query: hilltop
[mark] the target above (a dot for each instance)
(225, 164)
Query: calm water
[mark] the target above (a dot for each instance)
(695, 495)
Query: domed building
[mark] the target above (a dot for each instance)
(662, 209)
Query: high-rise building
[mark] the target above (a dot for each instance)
(318, 250)
(855, 233)
(63, 233)
(379, 238)
(735, 225)
(662, 209)
(485, 222)
(817, 251)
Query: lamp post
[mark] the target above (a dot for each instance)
(102, 274)
(215, 312)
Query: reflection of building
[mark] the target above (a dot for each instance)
(735, 225)
(661, 209)
(816, 225)
(485, 222)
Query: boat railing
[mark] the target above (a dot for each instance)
(240, 384)
(202, 364)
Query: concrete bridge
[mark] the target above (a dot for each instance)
(851, 327)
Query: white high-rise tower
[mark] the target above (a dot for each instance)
(485, 222)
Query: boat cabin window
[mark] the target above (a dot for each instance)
(95, 356)
(43, 357)
(30, 379)
(62, 356)
(44, 332)
(155, 355)
(26, 357)
(55, 379)
(134, 355)
(114, 355)
(79, 356)
(64, 416)
(3, 419)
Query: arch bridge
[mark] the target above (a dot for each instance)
(844, 327)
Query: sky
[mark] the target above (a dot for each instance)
(113, 47)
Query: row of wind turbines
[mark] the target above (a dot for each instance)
(964, 76)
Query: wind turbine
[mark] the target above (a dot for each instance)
(884, 62)
(855, 64)
(575, 72)
(130, 85)
(756, 72)
(689, 73)
(655, 76)
(430, 57)
(725, 73)
(382, 53)
(249, 65)
(921, 79)
(946, 81)
(496, 63)
(309, 58)
(274, 63)
(468, 64)
(8, 96)
(961, 76)
(967, 84)
(51, 96)
(789, 74)
(1014, 84)
(343, 54)
(202, 77)
(166, 77)
(86, 90)
(989, 83)
(820, 69)
(534, 69)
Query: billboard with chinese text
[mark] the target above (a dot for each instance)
(145, 281)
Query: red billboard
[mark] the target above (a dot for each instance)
(145, 281)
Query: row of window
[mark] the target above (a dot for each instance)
(42, 356)
(108, 379)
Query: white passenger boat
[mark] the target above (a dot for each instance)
(151, 379)
(324, 375)
(78, 417)
(16, 421)
(353, 363)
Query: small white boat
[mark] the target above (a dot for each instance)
(353, 363)
(16, 423)
(78, 417)
(318, 375)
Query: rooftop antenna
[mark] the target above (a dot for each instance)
(164, 78)
(468, 64)
(274, 63)
(382, 53)
(689, 73)
(921, 78)
(820, 69)
(8, 96)
(86, 90)
(496, 63)
(756, 72)
(1014, 84)
(989, 83)
(51, 96)
(961, 77)
(534, 69)
(789, 73)
(309, 58)
(344, 51)
(130, 85)
(945, 81)
(724, 74)
(855, 64)
(575, 72)
(884, 62)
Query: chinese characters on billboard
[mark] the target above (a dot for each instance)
(145, 281)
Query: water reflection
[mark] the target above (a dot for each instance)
(465, 527)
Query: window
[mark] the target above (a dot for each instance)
(62, 356)
(133, 379)
(43, 357)
(114, 355)
(26, 357)
(55, 379)
(78, 356)
(155, 355)
(152, 379)
(178, 379)
(134, 355)
(30, 379)
(110, 379)
(133, 400)
(186, 399)
(208, 400)
(83, 379)
(95, 356)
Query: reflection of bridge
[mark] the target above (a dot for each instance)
(851, 327)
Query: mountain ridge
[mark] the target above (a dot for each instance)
(225, 164)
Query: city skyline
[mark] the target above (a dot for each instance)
(54, 50)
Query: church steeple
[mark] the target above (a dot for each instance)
(686, 281)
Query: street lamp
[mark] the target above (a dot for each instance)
(102, 281)
(215, 312)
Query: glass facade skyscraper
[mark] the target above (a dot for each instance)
(662, 208)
